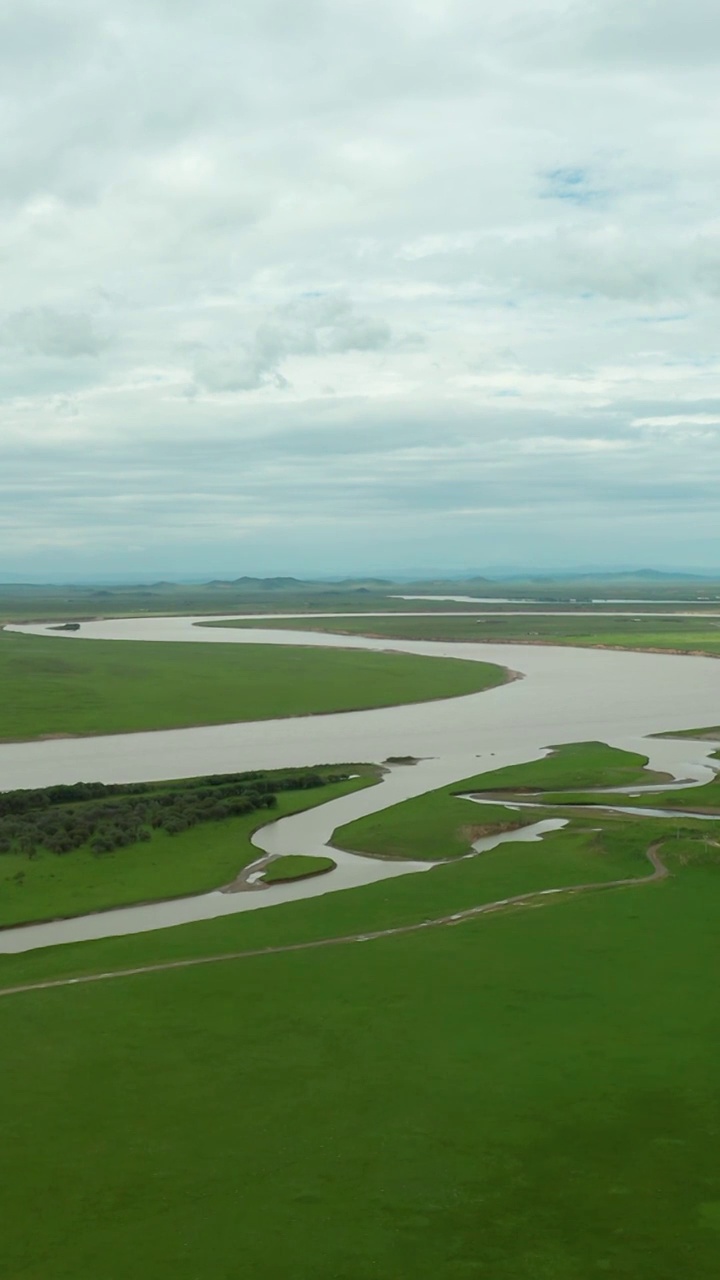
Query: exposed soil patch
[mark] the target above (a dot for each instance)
(480, 831)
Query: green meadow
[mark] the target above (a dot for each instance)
(703, 798)
(575, 855)
(296, 867)
(631, 631)
(529, 1095)
(441, 824)
(61, 686)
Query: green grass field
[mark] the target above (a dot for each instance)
(438, 825)
(441, 824)
(58, 686)
(578, 764)
(296, 867)
(702, 798)
(49, 886)
(530, 1096)
(638, 631)
(35, 602)
(575, 855)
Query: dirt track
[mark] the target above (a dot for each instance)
(660, 872)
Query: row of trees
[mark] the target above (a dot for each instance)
(109, 818)
(47, 797)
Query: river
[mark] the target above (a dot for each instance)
(565, 695)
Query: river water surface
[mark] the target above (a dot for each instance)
(565, 695)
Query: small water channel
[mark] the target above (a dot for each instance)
(567, 695)
(635, 811)
(307, 833)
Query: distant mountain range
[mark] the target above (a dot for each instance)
(467, 582)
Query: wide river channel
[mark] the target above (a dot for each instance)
(564, 695)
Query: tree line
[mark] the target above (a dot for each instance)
(109, 817)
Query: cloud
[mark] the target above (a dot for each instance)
(321, 325)
(437, 276)
(46, 332)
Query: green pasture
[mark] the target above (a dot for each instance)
(62, 686)
(296, 867)
(441, 824)
(705, 797)
(632, 631)
(28, 602)
(577, 764)
(574, 855)
(533, 1096)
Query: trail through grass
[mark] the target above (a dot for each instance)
(577, 855)
(531, 1097)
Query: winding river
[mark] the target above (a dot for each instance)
(565, 695)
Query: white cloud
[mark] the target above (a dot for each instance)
(487, 236)
(44, 331)
(321, 325)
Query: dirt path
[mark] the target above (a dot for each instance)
(660, 872)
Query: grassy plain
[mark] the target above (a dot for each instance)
(529, 1096)
(636, 631)
(441, 824)
(533, 1096)
(577, 764)
(296, 867)
(58, 686)
(49, 886)
(32, 603)
(28, 602)
(575, 855)
(702, 798)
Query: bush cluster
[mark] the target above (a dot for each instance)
(60, 819)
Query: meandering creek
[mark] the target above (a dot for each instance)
(566, 695)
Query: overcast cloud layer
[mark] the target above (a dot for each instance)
(333, 285)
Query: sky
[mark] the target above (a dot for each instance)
(343, 287)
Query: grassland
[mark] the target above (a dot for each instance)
(578, 764)
(296, 867)
(636, 631)
(57, 686)
(441, 824)
(705, 798)
(49, 886)
(434, 826)
(30, 602)
(531, 1096)
(575, 855)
